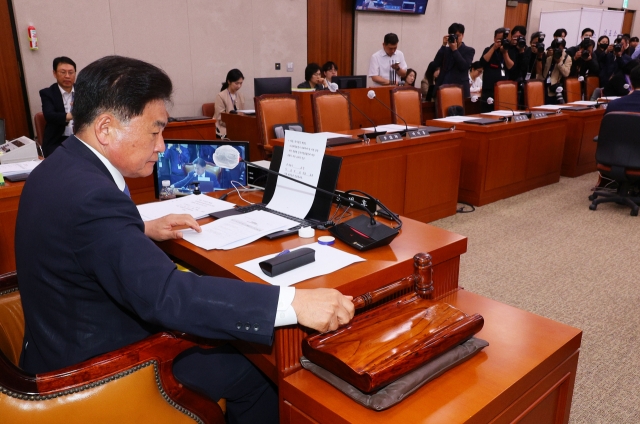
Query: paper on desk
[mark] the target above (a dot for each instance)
(27, 166)
(301, 159)
(328, 260)
(457, 118)
(551, 107)
(390, 128)
(237, 230)
(502, 113)
(583, 103)
(247, 111)
(196, 206)
(332, 135)
(609, 98)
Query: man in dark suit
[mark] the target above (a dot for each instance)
(57, 101)
(454, 59)
(199, 174)
(630, 102)
(91, 278)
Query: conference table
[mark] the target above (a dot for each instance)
(417, 178)
(505, 159)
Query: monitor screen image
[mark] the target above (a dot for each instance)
(417, 7)
(278, 85)
(352, 81)
(184, 162)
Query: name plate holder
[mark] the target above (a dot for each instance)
(519, 118)
(417, 134)
(386, 138)
(538, 115)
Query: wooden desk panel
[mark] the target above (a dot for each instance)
(527, 372)
(502, 160)
(9, 199)
(579, 155)
(204, 129)
(244, 128)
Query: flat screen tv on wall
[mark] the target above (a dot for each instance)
(417, 7)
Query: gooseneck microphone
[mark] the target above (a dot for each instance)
(372, 95)
(333, 87)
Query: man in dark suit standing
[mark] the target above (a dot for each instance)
(91, 278)
(630, 102)
(57, 102)
(454, 59)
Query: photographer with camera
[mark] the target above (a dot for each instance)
(496, 63)
(556, 69)
(615, 59)
(534, 56)
(587, 33)
(584, 61)
(518, 53)
(454, 59)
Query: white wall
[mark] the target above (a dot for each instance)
(195, 41)
(421, 35)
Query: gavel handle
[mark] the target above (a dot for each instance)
(383, 292)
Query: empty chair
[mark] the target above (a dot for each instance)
(40, 124)
(209, 109)
(572, 90)
(618, 158)
(533, 93)
(406, 102)
(331, 111)
(506, 95)
(592, 83)
(273, 109)
(448, 95)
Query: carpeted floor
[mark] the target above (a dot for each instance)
(544, 251)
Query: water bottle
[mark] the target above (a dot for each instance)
(167, 192)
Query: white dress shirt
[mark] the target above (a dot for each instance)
(475, 85)
(285, 314)
(380, 64)
(67, 99)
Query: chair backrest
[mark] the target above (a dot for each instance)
(506, 95)
(592, 83)
(448, 95)
(615, 147)
(533, 93)
(40, 124)
(11, 319)
(331, 111)
(272, 109)
(406, 102)
(572, 90)
(208, 109)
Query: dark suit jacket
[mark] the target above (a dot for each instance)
(454, 66)
(630, 103)
(91, 281)
(56, 117)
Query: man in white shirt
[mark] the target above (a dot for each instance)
(57, 102)
(387, 66)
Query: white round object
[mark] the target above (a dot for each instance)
(326, 240)
(306, 232)
(166, 183)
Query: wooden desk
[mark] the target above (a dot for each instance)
(243, 128)
(9, 199)
(526, 374)
(204, 129)
(505, 159)
(414, 178)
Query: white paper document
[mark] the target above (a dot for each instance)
(302, 160)
(328, 260)
(502, 113)
(609, 98)
(551, 107)
(25, 167)
(457, 118)
(247, 111)
(583, 103)
(390, 128)
(237, 230)
(333, 135)
(196, 206)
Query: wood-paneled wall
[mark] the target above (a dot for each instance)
(330, 33)
(12, 106)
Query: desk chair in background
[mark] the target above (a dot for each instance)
(271, 110)
(448, 95)
(505, 95)
(331, 111)
(533, 93)
(132, 384)
(618, 158)
(572, 90)
(209, 109)
(591, 83)
(406, 102)
(40, 124)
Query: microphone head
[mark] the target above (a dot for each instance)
(226, 157)
(474, 99)
(371, 94)
(581, 78)
(559, 90)
(333, 87)
(490, 101)
(626, 86)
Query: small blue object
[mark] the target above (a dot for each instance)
(284, 252)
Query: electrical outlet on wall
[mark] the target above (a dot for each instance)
(277, 66)
(289, 66)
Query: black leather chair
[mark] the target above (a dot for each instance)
(618, 158)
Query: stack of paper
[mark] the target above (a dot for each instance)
(583, 103)
(25, 167)
(457, 118)
(237, 230)
(390, 128)
(552, 107)
(502, 113)
(196, 206)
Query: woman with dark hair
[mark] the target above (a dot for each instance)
(228, 99)
(329, 70)
(313, 78)
(410, 77)
(427, 85)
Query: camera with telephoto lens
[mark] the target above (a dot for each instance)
(453, 38)
(557, 54)
(505, 38)
(540, 44)
(617, 45)
(521, 42)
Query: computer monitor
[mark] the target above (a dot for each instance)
(278, 85)
(352, 81)
(179, 164)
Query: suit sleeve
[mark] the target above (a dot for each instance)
(49, 109)
(463, 62)
(112, 248)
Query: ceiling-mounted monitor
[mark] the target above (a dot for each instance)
(417, 7)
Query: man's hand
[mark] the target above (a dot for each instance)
(453, 46)
(445, 40)
(396, 66)
(322, 309)
(69, 117)
(161, 229)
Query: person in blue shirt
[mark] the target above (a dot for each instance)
(178, 156)
(206, 152)
(200, 174)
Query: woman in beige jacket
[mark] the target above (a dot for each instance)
(228, 99)
(561, 69)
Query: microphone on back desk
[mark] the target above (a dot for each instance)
(333, 87)
(372, 95)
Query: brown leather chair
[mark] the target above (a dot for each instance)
(273, 109)
(132, 384)
(592, 83)
(533, 93)
(505, 95)
(406, 102)
(208, 109)
(448, 95)
(572, 90)
(331, 111)
(40, 124)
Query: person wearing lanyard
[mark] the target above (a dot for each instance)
(496, 63)
(556, 69)
(228, 99)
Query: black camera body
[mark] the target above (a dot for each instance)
(505, 38)
(521, 42)
(617, 47)
(453, 38)
(557, 54)
(586, 54)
